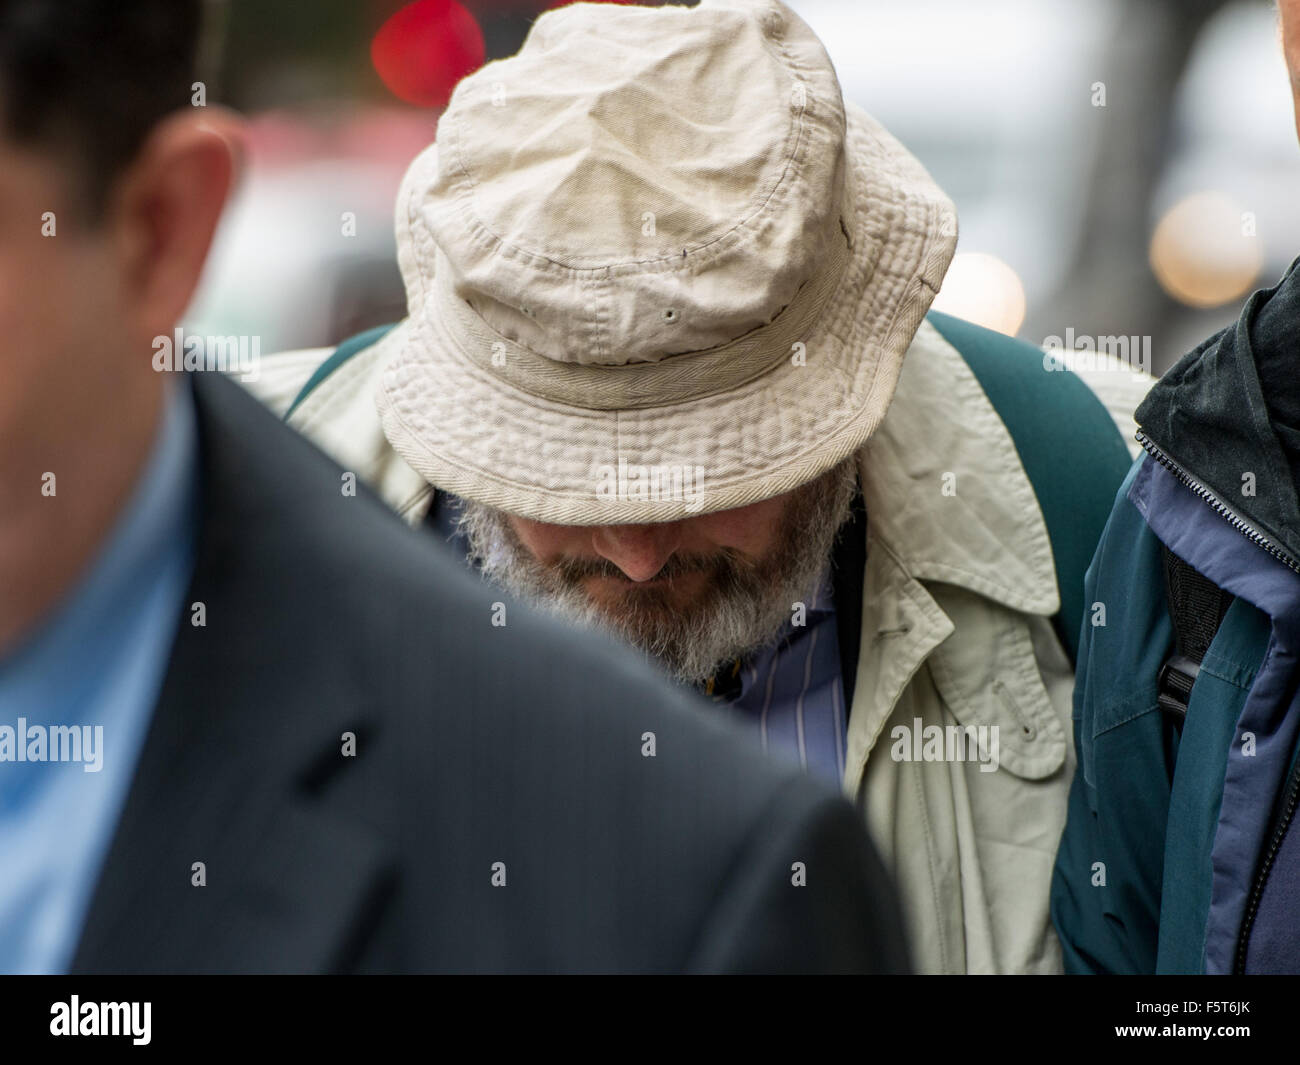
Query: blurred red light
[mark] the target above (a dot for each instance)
(424, 49)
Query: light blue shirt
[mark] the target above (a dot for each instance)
(94, 666)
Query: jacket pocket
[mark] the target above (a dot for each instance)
(987, 675)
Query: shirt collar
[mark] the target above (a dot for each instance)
(158, 518)
(734, 678)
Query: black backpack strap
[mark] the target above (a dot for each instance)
(848, 568)
(1196, 606)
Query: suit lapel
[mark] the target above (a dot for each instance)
(238, 752)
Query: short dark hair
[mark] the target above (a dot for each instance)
(89, 79)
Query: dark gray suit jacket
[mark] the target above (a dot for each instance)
(475, 745)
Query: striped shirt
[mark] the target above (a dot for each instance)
(793, 693)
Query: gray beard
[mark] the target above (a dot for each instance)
(748, 604)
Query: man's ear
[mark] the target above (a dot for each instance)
(165, 210)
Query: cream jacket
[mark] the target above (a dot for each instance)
(958, 595)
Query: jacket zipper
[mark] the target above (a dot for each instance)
(1224, 511)
(1293, 779)
(1274, 844)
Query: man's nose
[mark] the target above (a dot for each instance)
(640, 551)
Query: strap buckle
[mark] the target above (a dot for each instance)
(1174, 685)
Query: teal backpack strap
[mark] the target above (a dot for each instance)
(341, 355)
(1068, 443)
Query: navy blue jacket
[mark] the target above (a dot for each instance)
(1181, 852)
(500, 814)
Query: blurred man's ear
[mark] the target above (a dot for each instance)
(1288, 14)
(164, 211)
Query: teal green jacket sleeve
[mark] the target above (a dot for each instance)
(1105, 896)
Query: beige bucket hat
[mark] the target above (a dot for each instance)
(655, 268)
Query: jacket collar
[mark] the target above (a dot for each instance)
(945, 490)
(901, 626)
(947, 501)
(1222, 411)
(341, 417)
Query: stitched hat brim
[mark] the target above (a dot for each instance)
(474, 433)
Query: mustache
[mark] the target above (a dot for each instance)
(725, 563)
(743, 605)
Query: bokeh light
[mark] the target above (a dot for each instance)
(424, 49)
(1204, 250)
(983, 289)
